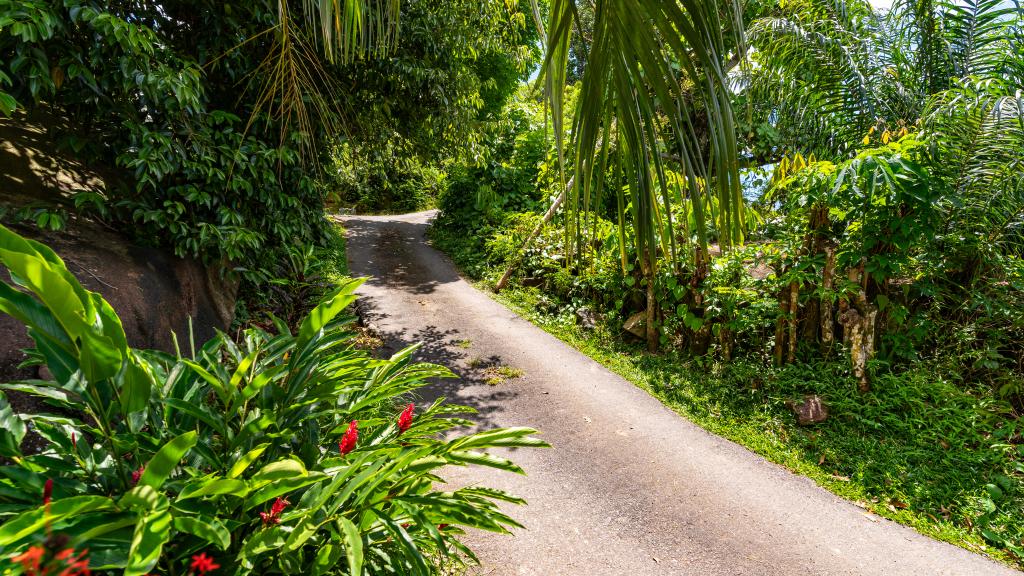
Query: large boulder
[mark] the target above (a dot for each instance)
(154, 294)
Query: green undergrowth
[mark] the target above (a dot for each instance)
(919, 449)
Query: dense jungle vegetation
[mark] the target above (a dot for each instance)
(733, 204)
(283, 447)
(868, 253)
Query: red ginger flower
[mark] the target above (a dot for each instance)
(274, 516)
(201, 563)
(48, 491)
(36, 561)
(137, 475)
(405, 418)
(348, 441)
(75, 565)
(31, 559)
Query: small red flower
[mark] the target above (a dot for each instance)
(405, 418)
(274, 516)
(31, 559)
(137, 475)
(201, 563)
(74, 565)
(74, 441)
(48, 491)
(348, 441)
(278, 506)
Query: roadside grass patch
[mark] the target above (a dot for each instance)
(920, 448)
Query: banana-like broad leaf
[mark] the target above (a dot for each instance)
(12, 430)
(205, 527)
(166, 459)
(327, 310)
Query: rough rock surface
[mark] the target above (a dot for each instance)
(586, 318)
(153, 292)
(812, 410)
(636, 324)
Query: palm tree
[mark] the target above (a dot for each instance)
(650, 65)
(827, 71)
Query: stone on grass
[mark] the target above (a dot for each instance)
(812, 410)
(637, 324)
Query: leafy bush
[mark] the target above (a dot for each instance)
(224, 455)
(366, 179)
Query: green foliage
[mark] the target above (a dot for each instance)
(483, 191)
(226, 450)
(368, 180)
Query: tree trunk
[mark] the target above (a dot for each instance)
(827, 330)
(794, 304)
(859, 319)
(652, 306)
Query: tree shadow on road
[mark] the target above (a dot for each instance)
(385, 247)
(473, 387)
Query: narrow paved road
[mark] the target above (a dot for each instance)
(630, 488)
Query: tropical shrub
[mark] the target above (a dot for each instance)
(280, 452)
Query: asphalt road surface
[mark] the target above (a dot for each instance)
(630, 487)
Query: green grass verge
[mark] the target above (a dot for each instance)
(919, 449)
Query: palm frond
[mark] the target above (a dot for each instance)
(649, 61)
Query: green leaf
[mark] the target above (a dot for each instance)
(12, 429)
(35, 521)
(240, 466)
(353, 546)
(260, 542)
(303, 531)
(205, 527)
(136, 385)
(99, 358)
(150, 536)
(330, 306)
(7, 104)
(327, 559)
(482, 459)
(163, 462)
(287, 468)
(144, 498)
(214, 487)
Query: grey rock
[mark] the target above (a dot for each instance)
(812, 410)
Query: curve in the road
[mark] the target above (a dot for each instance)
(630, 488)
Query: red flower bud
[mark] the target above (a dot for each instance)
(348, 441)
(48, 491)
(274, 516)
(201, 563)
(405, 418)
(74, 441)
(137, 475)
